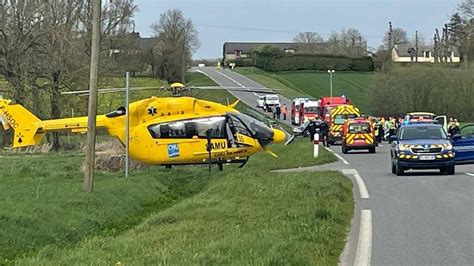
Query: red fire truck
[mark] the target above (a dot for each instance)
(328, 103)
(304, 108)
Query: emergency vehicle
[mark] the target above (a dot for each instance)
(427, 146)
(271, 100)
(337, 117)
(425, 117)
(329, 103)
(303, 109)
(358, 134)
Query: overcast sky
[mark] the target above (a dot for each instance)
(278, 21)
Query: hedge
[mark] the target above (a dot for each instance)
(241, 62)
(313, 62)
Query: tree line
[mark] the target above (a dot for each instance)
(45, 49)
(347, 42)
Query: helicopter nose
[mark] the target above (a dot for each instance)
(278, 136)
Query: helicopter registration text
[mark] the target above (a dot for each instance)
(10, 119)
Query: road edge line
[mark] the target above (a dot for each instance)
(364, 245)
(337, 155)
(363, 192)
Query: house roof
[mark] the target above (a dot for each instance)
(403, 50)
(147, 43)
(246, 47)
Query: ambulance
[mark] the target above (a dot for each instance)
(358, 134)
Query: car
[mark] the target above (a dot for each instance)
(260, 101)
(422, 146)
(463, 145)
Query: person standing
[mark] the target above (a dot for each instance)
(274, 112)
(325, 133)
(278, 112)
(284, 111)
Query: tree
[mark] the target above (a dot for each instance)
(399, 36)
(20, 34)
(348, 43)
(308, 37)
(179, 40)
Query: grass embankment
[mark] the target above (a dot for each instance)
(43, 203)
(243, 216)
(354, 85)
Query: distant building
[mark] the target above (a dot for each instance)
(426, 54)
(235, 50)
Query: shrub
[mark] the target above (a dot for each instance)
(292, 62)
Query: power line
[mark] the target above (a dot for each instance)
(272, 30)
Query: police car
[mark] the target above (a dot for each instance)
(427, 146)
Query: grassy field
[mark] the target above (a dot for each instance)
(240, 216)
(198, 79)
(354, 85)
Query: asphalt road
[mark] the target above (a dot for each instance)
(422, 218)
(228, 78)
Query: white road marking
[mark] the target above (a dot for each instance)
(364, 246)
(471, 174)
(233, 80)
(363, 192)
(337, 155)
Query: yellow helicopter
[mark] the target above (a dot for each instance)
(163, 130)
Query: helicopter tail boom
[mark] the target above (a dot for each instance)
(29, 129)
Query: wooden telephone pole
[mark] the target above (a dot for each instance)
(416, 46)
(92, 110)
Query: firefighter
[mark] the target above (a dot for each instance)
(284, 111)
(380, 137)
(311, 129)
(392, 129)
(325, 133)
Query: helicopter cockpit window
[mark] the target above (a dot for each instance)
(190, 128)
(250, 126)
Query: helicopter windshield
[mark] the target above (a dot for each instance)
(253, 126)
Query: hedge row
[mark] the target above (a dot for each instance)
(242, 62)
(313, 62)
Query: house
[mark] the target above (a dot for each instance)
(426, 54)
(236, 50)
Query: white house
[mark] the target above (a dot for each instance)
(407, 53)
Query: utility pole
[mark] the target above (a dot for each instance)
(183, 57)
(92, 109)
(127, 123)
(416, 46)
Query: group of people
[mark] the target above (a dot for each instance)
(277, 111)
(453, 127)
(385, 128)
(320, 126)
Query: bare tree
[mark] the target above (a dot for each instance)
(20, 34)
(179, 39)
(308, 37)
(399, 36)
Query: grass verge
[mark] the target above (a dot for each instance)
(43, 203)
(244, 216)
(198, 79)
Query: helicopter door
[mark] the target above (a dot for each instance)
(238, 131)
(443, 121)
